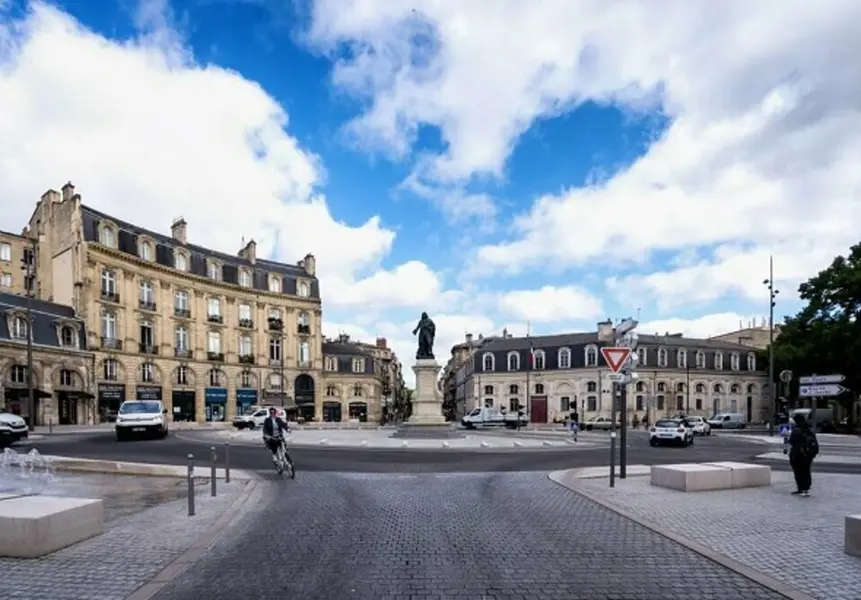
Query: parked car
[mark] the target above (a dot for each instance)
(493, 417)
(600, 424)
(255, 417)
(728, 421)
(699, 425)
(141, 418)
(671, 431)
(12, 429)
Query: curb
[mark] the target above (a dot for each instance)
(567, 478)
(179, 564)
(112, 467)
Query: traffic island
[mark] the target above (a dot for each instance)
(33, 526)
(852, 535)
(691, 477)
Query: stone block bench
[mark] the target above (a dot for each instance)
(706, 477)
(33, 526)
(852, 535)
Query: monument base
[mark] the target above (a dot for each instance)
(426, 420)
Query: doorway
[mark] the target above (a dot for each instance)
(183, 406)
(67, 409)
(332, 412)
(359, 411)
(538, 409)
(304, 391)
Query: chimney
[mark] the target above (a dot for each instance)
(51, 196)
(68, 191)
(382, 343)
(468, 338)
(249, 252)
(606, 331)
(179, 230)
(309, 263)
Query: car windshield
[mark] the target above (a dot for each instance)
(139, 407)
(667, 423)
(477, 411)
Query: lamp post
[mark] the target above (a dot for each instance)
(28, 266)
(772, 294)
(687, 388)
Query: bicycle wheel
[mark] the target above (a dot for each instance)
(291, 470)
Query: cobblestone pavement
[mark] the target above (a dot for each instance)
(431, 536)
(795, 540)
(131, 552)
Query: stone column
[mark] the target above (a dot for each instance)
(427, 403)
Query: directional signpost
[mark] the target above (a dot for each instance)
(828, 390)
(821, 379)
(621, 359)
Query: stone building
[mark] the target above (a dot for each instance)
(62, 366)
(208, 333)
(15, 250)
(360, 380)
(752, 336)
(676, 374)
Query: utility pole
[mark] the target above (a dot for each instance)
(29, 268)
(772, 386)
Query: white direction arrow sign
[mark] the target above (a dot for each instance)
(820, 379)
(831, 389)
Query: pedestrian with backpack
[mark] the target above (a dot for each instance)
(803, 448)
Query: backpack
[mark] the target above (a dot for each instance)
(810, 446)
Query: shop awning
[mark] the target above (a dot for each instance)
(23, 393)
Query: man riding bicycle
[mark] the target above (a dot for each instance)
(273, 428)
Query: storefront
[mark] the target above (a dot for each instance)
(359, 410)
(110, 396)
(245, 399)
(74, 408)
(332, 412)
(17, 401)
(215, 401)
(305, 387)
(149, 392)
(184, 406)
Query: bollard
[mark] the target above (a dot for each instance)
(226, 462)
(212, 478)
(50, 426)
(613, 459)
(190, 478)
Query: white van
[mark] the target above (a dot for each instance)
(728, 421)
(141, 418)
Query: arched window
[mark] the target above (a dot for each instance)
(680, 387)
(751, 388)
(357, 390)
(539, 389)
(540, 360)
(751, 362)
(488, 389)
(513, 389)
(700, 388)
(718, 388)
(564, 358)
(487, 361)
(733, 362)
(662, 387)
(700, 360)
(591, 356)
(513, 361)
(662, 357)
(640, 386)
(19, 328)
(734, 389)
(331, 390)
(682, 359)
(591, 387)
(718, 361)
(67, 336)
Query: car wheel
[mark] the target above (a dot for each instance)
(250, 426)
(691, 441)
(121, 437)
(653, 442)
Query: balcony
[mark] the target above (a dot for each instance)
(110, 343)
(303, 329)
(246, 323)
(147, 348)
(275, 362)
(147, 305)
(182, 313)
(276, 324)
(182, 353)
(215, 319)
(246, 359)
(111, 296)
(215, 356)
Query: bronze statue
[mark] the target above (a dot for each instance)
(427, 332)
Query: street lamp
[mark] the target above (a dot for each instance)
(28, 266)
(687, 387)
(772, 294)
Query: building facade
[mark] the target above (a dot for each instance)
(757, 337)
(15, 251)
(62, 365)
(676, 374)
(208, 333)
(360, 380)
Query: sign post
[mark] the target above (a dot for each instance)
(621, 358)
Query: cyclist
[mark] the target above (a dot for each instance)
(273, 428)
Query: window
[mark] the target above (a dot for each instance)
(180, 261)
(513, 389)
(734, 389)
(564, 358)
(244, 278)
(275, 314)
(182, 339)
(6, 252)
(213, 270)
(513, 404)
(5, 280)
(145, 250)
(639, 403)
(180, 301)
(304, 353)
(246, 379)
(109, 325)
(642, 355)
(147, 296)
(733, 362)
(304, 321)
(700, 388)
(147, 334)
(19, 374)
(680, 387)
(591, 356)
(109, 369)
(487, 361)
(245, 345)
(303, 289)
(539, 389)
(147, 372)
(680, 403)
(331, 363)
(700, 360)
(682, 359)
(107, 237)
(660, 401)
(751, 362)
(751, 388)
(358, 365)
(488, 402)
(719, 361)
(331, 390)
(109, 282)
(213, 341)
(19, 328)
(662, 387)
(213, 307)
(214, 378)
(274, 284)
(275, 381)
(513, 361)
(244, 313)
(640, 386)
(699, 404)
(591, 403)
(68, 337)
(275, 349)
(564, 403)
(488, 390)
(662, 357)
(539, 360)
(718, 388)
(182, 375)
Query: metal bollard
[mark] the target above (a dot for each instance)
(190, 478)
(50, 426)
(226, 462)
(212, 474)
(613, 459)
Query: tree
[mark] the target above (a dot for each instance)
(825, 336)
(404, 404)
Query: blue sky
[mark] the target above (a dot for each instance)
(491, 163)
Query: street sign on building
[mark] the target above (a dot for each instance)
(821, 379)
(825, 390)
(615, 357)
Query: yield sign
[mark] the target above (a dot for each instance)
(615, 357)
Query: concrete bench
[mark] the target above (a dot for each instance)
(33, 526)
(691, 477)
(743, 475)
(852, 535)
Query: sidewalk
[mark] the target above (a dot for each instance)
(796, 541)
(825, 439)
(826, 458)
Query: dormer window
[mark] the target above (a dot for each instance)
(180, 261)
(107, 235)
(641, 355)
(751, 362)
(564, 358)
(244, 278)
(718, 361)
(733, 362)
(213, 270)
(358, 365)
(701, 360)
(145, 250)
(513, 361)
(67, 336)
(591, 356)
(662, 357)
(303, 289)
(682, 359)
(331, 364)
(487, 362)
(274, 284)
(18, 329)
(539, 360)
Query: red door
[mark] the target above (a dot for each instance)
(538, 409)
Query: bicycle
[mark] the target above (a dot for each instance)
(283, 462)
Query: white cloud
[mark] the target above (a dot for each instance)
(551, 304)
(702, 327)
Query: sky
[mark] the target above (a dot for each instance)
(535, 166)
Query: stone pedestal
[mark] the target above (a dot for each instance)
(426, 419)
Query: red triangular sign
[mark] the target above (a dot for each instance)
(615, 357)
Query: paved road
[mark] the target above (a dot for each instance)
(332, 536)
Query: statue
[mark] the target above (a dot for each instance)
(427, 332)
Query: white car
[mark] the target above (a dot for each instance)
(141, 418)
(255, 417)
(671, 431)
(699, 425)
(12, 429)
